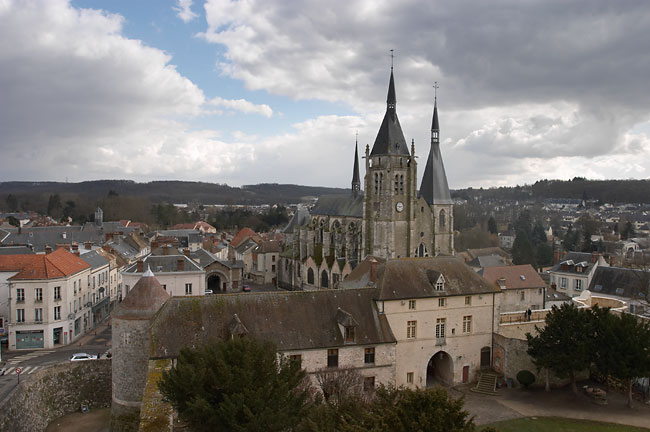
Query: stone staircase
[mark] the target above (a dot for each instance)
(487, 383)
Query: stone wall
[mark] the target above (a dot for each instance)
(510, 357)
(56, 391)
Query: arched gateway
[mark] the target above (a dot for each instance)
(440, 369)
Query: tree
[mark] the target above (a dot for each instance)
(622, 347)
(492, 225)
(431, 410)
(538, 235)
(13, 221)
(587, 244)
(236, 385)
(570, 240)
(12, 203)
(565, 344)
(524, 223)
(54, 206)
(544, 254)
(522, 250)
(340, 384)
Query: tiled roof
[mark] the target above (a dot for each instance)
(242, 235)
(57, 264)
(513, 276)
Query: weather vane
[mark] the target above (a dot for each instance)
(391, 58)
(435, 89)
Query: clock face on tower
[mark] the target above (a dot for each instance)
(399, 206)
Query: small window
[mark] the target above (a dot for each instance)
(57, 313)
(273, 268)
(39, 294)
(349, 335)
(369, 384)
(539, 291)
(296, 358)
(188, 289)
(369, 356)
(440, 285)
(522, 295)
(332, 358)
(468, 300)
(442, 302)
(409, 377)
(412, 304)
(411, 329)
(20, 295)
(20, 315)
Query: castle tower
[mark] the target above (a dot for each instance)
(390, 181)
(435, 191)
(130, 360)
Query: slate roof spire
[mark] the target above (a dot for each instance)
(390, 138)
(356, 179)
(434, 188)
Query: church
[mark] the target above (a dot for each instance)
(390, 218)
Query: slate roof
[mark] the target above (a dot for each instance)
(339, 205)
(475, 253)
(268, 246)
(295, 320)
(15, 250)
(57, 264)
(356, 179)
(300, 218)
(405, 278)
(94, 259)
(360, 276)
(40, 237)
(617, 281)
(577, 258)
(166, 264)
(513, 276)
(143, 300)
(203, 257)
(390, 138)
(434, 187)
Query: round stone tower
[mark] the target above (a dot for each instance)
(130, 360)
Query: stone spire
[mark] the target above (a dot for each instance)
(434, 188)
(356, 182)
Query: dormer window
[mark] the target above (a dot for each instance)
(440, 284)
(349, 335)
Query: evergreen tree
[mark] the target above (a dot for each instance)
(587, 244)
(538, 235)
(565, 344)
(12, 203)
(492, 225)
(544, 254)
(570, 240)
(522, 250)
(236, 385)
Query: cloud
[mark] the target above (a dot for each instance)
(242, 105)
(539, 81)
(184, 10)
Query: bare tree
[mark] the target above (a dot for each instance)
(339, 384)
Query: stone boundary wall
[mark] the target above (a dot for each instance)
(55, 391)
(510, 357)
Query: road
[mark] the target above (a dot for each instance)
(29, 361)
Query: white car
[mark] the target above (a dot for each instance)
(82, 357)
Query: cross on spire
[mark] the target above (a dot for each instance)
(435, 90)
(392, 55)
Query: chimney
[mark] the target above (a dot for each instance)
(20, 228)
(502, 283)
(181, 264)
(594, 257)
(88, 245)
(165, 250)
(186, 252)
(75, 247)
(48, 249)
(373, 269)
(140, 266)
(154, 244)
(556, 256)
(233, 260)
(109, 236)
(77, 253)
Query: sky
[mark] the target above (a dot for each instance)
(276, 91)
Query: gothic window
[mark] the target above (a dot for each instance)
(324, 280)
(421, 250)
(381, 182)
(376, 183)
(442, 221)
(310, 276)
(396, 184)
(401, 184)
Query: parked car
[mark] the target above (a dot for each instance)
(82, 357)
(246, 288)
(208, 292)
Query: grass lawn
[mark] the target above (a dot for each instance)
(556, 424)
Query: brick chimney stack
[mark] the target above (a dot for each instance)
(373, 269)
(140, 266)
(181, 264)
(48, 249)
